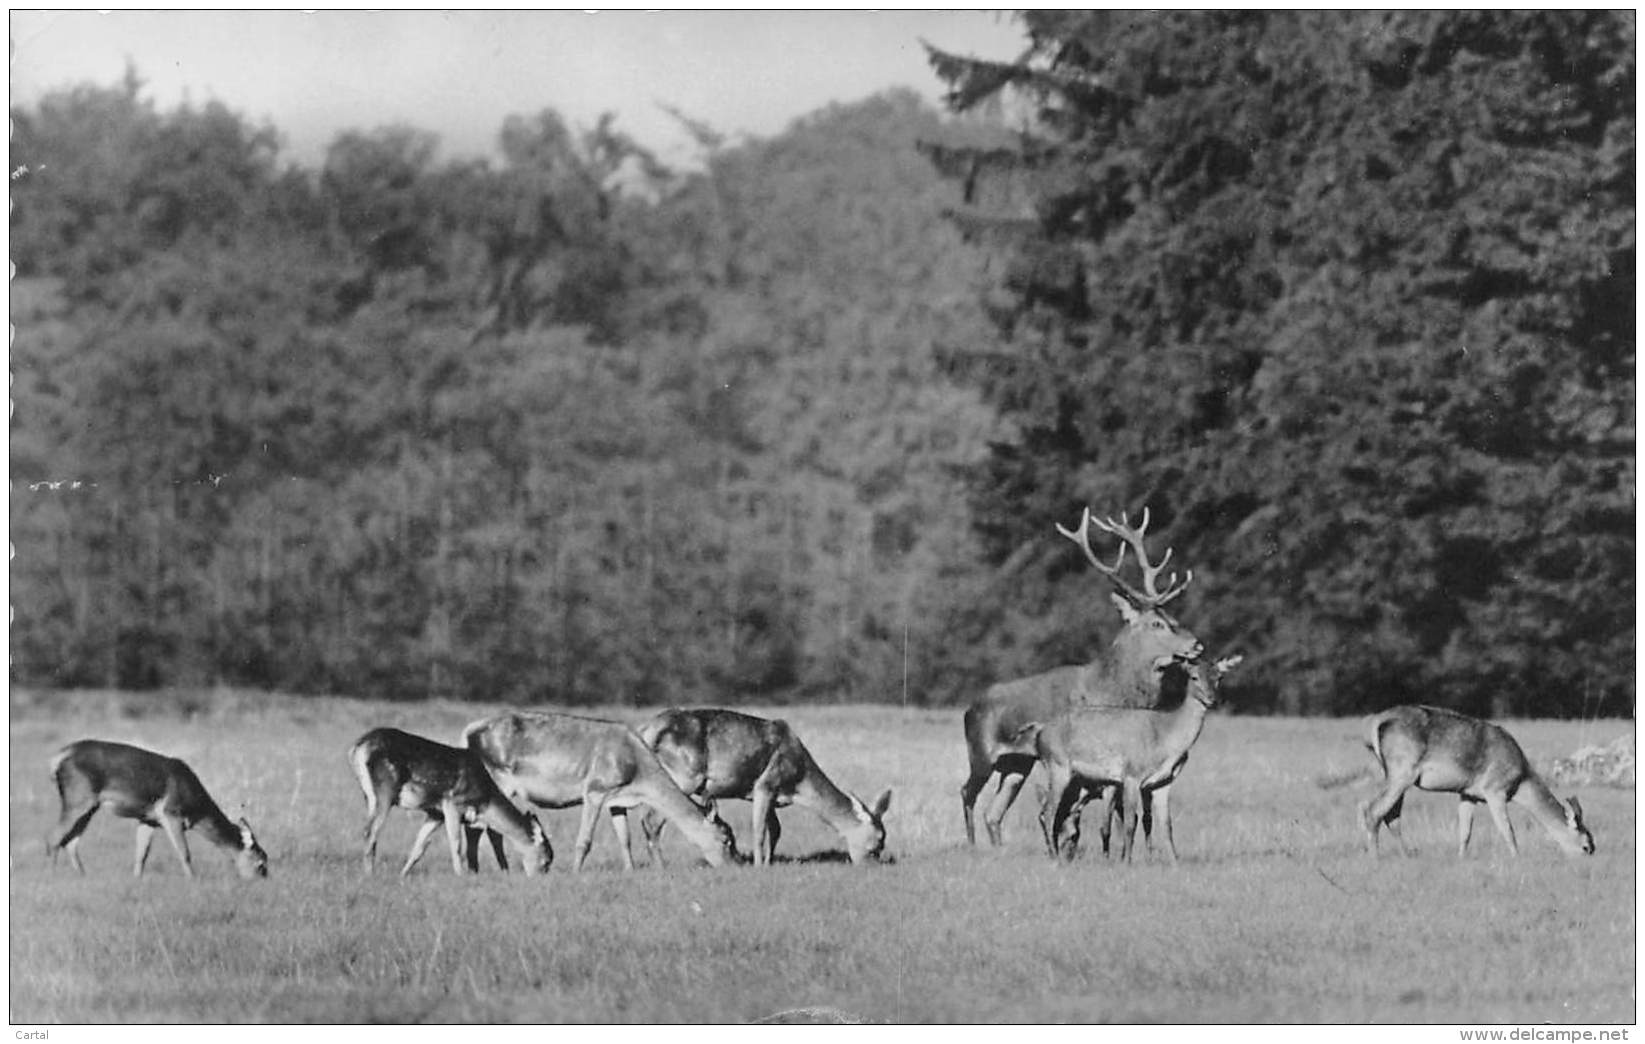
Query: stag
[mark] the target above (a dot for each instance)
(151, 788)
(1431, 748)
(713, 754)
(1136, 753)
(450, 787)
(999, 733)
(560, 760)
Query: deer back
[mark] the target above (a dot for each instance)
(1446, 750)
(423, 772)
(548, 758)
(554, 760)
(740, 747)
(128, 779)
(717, 753)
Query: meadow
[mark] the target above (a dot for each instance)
(1275, 913)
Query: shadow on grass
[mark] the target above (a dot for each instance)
(820, 857)
(810, 1017)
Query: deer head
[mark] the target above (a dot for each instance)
(1205, 680)
(1579, 839)
(1151, 635)
(542, 851)
(251, 861)
(866, 842)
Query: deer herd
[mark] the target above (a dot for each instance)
(1116, 730)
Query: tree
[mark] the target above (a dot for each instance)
(1347, 298)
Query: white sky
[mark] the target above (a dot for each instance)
(459, 73)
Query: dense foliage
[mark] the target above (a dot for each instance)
(1348, 300)
(570, 426)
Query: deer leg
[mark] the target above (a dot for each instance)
(1465, 825)
(1043, 795)
(980, 771)
(376, 816)
(471, 847)
(764, 802)
(453, 817)
(145, 837)
(593, 803)
(73, 848)
(70, 825)
(1058, 799)
(425, 834)
(1393, 820)
(1159, 802)
(497, 849)
(1112, 809)
(619, 827)
(1006, 794)
(1073, 826)
(1384, 808)
(1148, 820)
(1499, 815)
(174, 833)
(651, 825)
(1133, 817)
(773, 829)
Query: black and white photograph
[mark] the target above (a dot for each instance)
(1101, 521)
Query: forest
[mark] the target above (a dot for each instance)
(1346, 299)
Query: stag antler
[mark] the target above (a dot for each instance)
(1150, 595)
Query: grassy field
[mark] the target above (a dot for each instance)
(1274, 915)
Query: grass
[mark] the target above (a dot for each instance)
(1274, 915)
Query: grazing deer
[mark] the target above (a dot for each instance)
(713, 754)
(1128, 674)
(151, 788)
(1431, 748)
(449, 786)
(1135, 752)
(560, 760)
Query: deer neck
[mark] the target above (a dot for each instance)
(217, 828)
(818, 793)
(1182, 725)
(1548, 810)
(1122, 679)
(505, 818)
(660, 793)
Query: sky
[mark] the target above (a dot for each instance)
(459, 73)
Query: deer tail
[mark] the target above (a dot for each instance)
(55, 765)
(470, 729)
(1373, 736)
(1027, 732)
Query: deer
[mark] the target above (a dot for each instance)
(449, 786)
(713, 754)
(153, 789)
(556, 760)
(1128, 674)
(1439, 750)
(1136, 752)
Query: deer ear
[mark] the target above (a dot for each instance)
(1576, 810)
(881, 803)
(1228, 663)
(246, 838)
(1123, 604)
